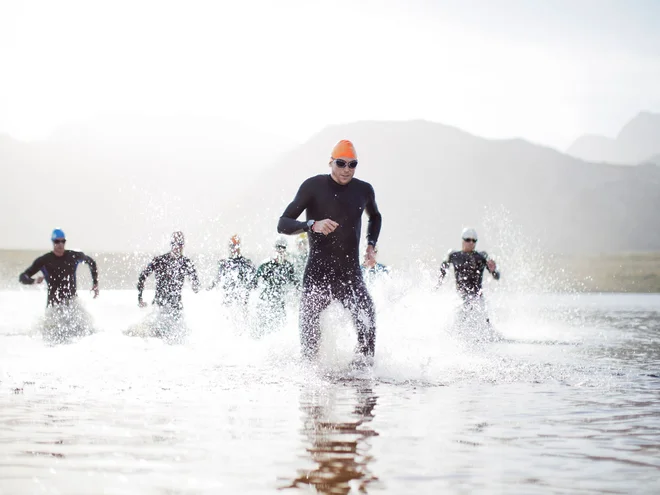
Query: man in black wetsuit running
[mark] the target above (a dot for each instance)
(235, 275)
(469, 266)
(170, 271)
(335, 204)
(274, 277)
(59, 271)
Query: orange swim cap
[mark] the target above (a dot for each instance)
(344, 149)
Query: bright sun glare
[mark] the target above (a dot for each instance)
(289, 66)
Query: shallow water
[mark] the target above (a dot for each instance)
(568, 403)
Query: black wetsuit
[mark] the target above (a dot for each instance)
(170, 272)
(60, 274)
(469, 270)
(333, 267)
(276, 275)
(235, 275)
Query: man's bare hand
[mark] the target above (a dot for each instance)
(491, 265)
(325, 227)
(370, 257)
(39, 280)
(141, 303)
(95, 290)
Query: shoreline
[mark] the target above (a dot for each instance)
(625, 273)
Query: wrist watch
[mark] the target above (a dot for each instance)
(310, 224)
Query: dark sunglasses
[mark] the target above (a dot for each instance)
(470, 240)
(59, 241)
(342, 163)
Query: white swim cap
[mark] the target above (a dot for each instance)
(280, 243)
(469, 233)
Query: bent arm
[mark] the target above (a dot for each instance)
(192, 272)
(254, 281)
(293, 278)
(489, 261)
(375, 219)
(26, 277)
(143, 276)
(218, 277)
(444, 266)
(250, 272)
(288, 223)
(93, 268)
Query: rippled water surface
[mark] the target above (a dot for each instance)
(568, 403)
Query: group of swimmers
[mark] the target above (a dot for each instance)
(334, 204)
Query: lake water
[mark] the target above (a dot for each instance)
(569, 403)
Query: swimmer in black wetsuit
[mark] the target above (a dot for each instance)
(335, 204)
(275, 277)
(235, 274)
(170, 271)
(469, 266)
(59, 271)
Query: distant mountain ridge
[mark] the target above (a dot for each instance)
(125, 185)
(655, 160)
(637, 141)
(430, 180)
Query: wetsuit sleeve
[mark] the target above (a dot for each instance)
(375, 218)
(192, 272)
(444, 266)
(292, 275)
(289, 223)
(494, 273)
(143, 276)
(26, 276)
(254, 281)
(218, 277)
(93, 268)
(248, 275)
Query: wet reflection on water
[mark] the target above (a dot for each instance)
(231, 414)
(337, 431)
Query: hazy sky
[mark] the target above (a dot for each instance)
(547, 71)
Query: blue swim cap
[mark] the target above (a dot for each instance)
(57, 234)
